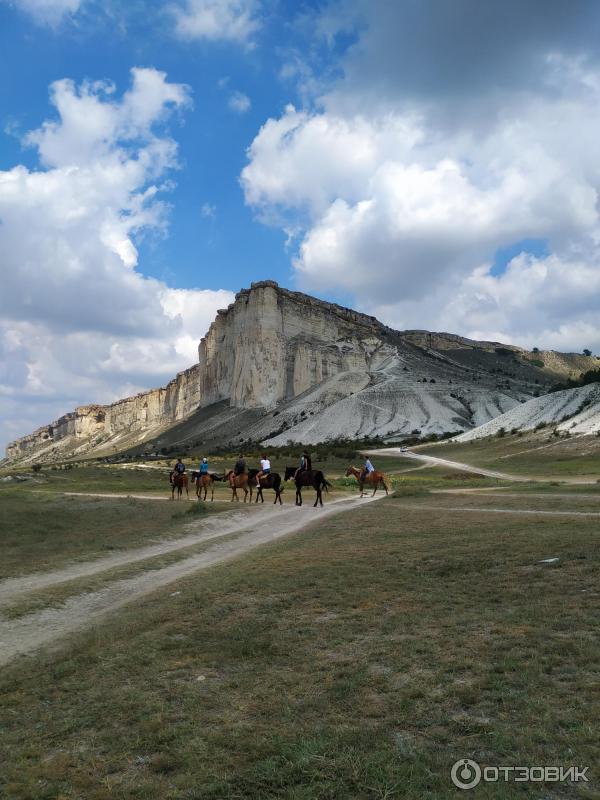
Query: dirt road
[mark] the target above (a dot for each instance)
(435, 461)
(259, 526)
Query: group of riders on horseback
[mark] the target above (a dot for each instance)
(241, 477)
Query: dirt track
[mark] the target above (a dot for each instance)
(26, 634)
(435, 461)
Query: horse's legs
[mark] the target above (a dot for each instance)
(212, 492)
(375, 489)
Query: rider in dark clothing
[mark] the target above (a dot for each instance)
(305, 464)
(178, 469)
(238, 469)
(240, 465)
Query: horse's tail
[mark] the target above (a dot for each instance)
(326, 485)
(386, 482)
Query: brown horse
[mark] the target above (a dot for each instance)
(179, 481)
(203, 482)
(375, 479)
(239, 482)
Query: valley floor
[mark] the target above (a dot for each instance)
(352, 652)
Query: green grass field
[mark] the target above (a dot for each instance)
(357, 659)
(536, 453)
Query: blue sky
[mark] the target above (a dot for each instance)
(434, 164)
(201, 250)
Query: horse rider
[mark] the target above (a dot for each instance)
(238, 469)
(366, 470)
(203, 468)
(265, 468)
(305, 465)
(179, 468)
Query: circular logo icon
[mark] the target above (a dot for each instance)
(465, 773)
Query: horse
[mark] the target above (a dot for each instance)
(272, 480)
(241, 481)
(308, 477)
(178, 481)
(203, 481)
(376, 478)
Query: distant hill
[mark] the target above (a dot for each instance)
(575, 411)
(279, 366)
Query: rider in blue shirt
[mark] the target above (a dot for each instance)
(203, 468)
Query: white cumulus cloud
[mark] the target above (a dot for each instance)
(401, 187)
(78, 321)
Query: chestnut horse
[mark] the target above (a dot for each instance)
(240, 482)
(375, 479)
(179, 481)
(203, 481)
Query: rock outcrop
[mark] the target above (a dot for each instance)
(278, 365)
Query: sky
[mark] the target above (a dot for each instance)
(431, 162)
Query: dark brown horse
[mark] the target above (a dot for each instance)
(179, 481)
(270, 481)
(308, 477)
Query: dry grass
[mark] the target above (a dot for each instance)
(359, 659)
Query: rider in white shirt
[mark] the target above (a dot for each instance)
(367, 469)
(265, 468)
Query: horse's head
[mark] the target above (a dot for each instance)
(289, 473)
(350, 471)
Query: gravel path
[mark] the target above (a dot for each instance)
(26, 634)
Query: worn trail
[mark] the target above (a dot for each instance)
(435, 461)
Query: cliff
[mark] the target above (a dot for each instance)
(302, 369)
(272, 344)
(92, 426)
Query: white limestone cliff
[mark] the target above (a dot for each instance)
(307, 370)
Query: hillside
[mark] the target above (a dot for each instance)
(575, 411)
(279, 366)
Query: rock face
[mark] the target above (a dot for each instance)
(272, 344)
(278, 365)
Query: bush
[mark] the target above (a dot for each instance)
(501, 432)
